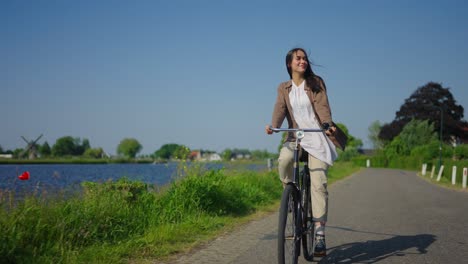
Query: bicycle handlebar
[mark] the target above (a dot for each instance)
(296, 129)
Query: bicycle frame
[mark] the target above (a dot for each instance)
(298, 183)
(299, 136)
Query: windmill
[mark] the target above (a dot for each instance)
(31, 148)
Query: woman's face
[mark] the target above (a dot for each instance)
(299, 62)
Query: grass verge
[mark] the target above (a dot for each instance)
(127, 221)
(444, 182)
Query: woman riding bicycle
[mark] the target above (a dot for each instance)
(304, 103)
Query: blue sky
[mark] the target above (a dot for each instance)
(204, 73)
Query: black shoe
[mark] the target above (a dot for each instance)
(320, 246)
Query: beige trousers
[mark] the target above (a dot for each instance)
(318, 180)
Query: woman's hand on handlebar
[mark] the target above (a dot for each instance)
(330, 131)
(268, 130)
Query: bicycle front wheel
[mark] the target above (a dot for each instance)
(288, 241)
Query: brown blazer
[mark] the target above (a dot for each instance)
(283, 107)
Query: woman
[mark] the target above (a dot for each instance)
(303, 102)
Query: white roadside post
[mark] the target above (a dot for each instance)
(432, 171)
(368, 163)
(454, 175)
(465, 175)
(424, 167)
(440, 172)
(270, 164)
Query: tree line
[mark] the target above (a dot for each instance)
(68, 146)
(428, 125)
(63, 147)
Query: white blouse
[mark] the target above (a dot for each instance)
(316, 144)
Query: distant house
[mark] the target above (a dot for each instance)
(6, 156)
(212, 157)
(239, 156)
(197, 155)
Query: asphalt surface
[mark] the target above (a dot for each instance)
(375, 216)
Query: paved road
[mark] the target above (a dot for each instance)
(375, 216)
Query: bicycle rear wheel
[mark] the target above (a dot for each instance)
(307, 222)
(288, 242)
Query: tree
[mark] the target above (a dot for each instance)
(45, 149)
(1, 149)
(64, 146)
(353, 142)
(129, 147)
(69, 146)
(416, 133)
(81, 146)
(227, 154)
(16, 152)
(181, 152)
(166, 151)
(428, 102)
(94, 153)
(374, 130)
(172, 151)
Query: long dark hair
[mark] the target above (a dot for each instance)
(311, 79)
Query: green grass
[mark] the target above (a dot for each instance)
(445, 179)
(340, 170)
(414, 163)
(128, 221)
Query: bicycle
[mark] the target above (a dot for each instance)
(295, 214)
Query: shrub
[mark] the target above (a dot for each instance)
(461, 152)
(448, 164)
(396, 148)
(215, 193)
(427, 152)
(348, 154)
(129, 189)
